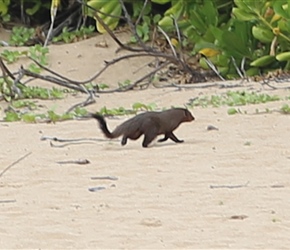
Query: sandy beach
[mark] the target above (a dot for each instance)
(220, 189)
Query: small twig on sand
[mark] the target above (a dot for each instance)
(95, 189)
(7, 201)
(229, 186)
(14, 163)
(69, 144)
(87, 102)
(80, 161)
(111, 178)
(52, 138)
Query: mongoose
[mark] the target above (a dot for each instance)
(151, 124)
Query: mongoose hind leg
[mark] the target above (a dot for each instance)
(124, 140)
(149, 136)
(148, 139)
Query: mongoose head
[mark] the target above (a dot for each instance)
(188, 117)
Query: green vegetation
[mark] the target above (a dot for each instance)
(124, 84)
(238, 36)
(122, 111)
(37, 52)
(17, 111)
(73, 36)
(41, 93)
(234, 98)
(51, 116)
(12, 56)
(239, 98)
(285, 109)
(29, 92)
(20, 35)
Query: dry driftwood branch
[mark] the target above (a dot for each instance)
(53, 80)
(5, 70)
(88, 101)
(143, 50)
(78, 85)
(59, 79)
(133, 85)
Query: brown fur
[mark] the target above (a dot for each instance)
(151, 124)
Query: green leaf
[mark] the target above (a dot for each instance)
(156, 18)
(210, 13)
(235, 45)
(139, 106)
(161, 1)
(80, 111)
(262, 34)
(243, 15)
(285, 109)
(138, 6)
(53, 116)
(284, 56)
(197, 22)
(280, 7)
(232, 111)
(263, 61)
(31, 118)
(4, 7)
(11, 116)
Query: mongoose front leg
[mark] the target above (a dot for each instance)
(163, 139)
(174, 138)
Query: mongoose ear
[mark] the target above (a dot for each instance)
(187, 113)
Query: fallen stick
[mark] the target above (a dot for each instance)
(69, 144)
(53, 138)
(14, 163)
(111, 178)
(229, 186)
(7, 201)
(95, 189)
(80, 161)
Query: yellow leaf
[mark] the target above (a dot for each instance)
(275, 18)
(209, 52)
(174, 42)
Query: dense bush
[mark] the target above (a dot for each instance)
(237, 36)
